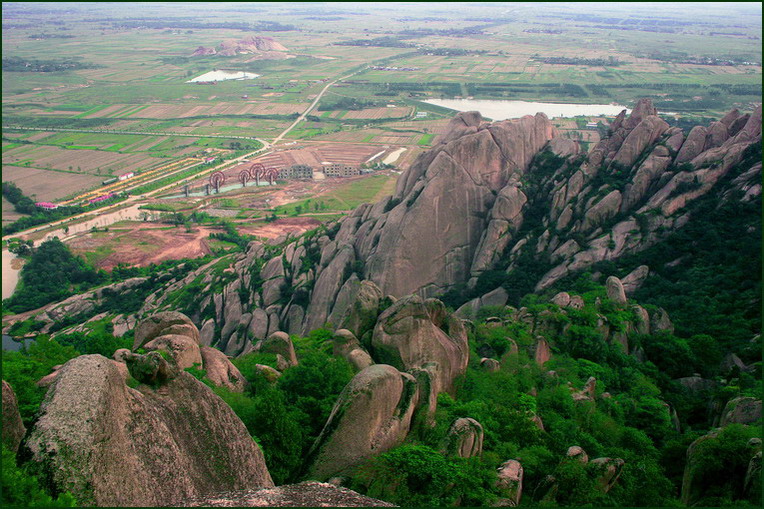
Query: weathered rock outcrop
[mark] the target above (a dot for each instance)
(361, 315)
(13, 428)
(510, 483)
(372, 414)
(184, 351)
(278, 343)
(743, 410)
(633, 281)
(164, 323)
(465, 438)
(615, 290)
(628, 193)
(577, 453)
(110, 445)
(347, 346)
(415, 333)
(221, 371)
(607, 470)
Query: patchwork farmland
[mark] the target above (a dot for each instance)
(132, 78)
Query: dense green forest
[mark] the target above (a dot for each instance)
(627, 417)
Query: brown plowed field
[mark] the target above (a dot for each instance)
(48, 185)
(86, 160)
(375, 113)
(166, 111)
(293, 225)
(143, 246)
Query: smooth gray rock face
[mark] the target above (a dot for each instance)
(110, 445)
(13, 428)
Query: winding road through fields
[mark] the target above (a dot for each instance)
(132, 199)
(313, 105)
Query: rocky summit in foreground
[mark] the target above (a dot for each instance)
(163, 438)
(304, 494)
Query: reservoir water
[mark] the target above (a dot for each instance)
(502, 110)
(222, 75)
(11, 344)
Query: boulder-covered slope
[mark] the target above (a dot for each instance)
(494, 211)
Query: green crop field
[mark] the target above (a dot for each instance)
(133, 76)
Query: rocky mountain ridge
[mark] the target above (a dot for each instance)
(471, 214)
(494, 211)
(253, 44)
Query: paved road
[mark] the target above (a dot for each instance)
(266, 146)
(313, 105)
(131, 199)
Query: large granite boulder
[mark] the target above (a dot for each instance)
(615, 290)
(607, 470)
(221, 371)
(361, 315)
(465, 438)
(426, 242)
(347, 346)
(742, 410)
(510, 483)
(711, 463)
(13, 428)
(278, 343)
(184, 351)
(111, 445)
(413, 333)
(372, 415)
(164, 323)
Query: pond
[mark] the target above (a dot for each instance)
(501, 110)
(223, 75)
(11, 344)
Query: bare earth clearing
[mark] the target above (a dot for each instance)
(144, 245)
